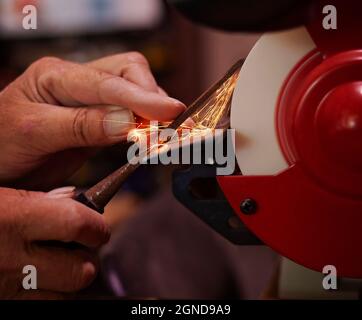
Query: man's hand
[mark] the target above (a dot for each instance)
(28, 222)
(52, 114)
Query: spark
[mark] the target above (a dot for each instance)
(217, 107)
(204, 121)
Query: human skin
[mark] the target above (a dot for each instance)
(51, 119)
(57, 112)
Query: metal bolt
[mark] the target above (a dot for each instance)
(249, 206)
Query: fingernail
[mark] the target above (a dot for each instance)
(60, 193)
(118, 123)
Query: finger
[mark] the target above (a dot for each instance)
(132, 66)
(53, 172)
(62, 220)
(72, 84)
(78, 267)
(61, 193)
(69, 128)
(64, 192)
(162, 92)
(8, 192)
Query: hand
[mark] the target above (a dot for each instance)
(52, 114)
(27, 220)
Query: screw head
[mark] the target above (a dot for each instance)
(248, 206)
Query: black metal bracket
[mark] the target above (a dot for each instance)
(197, 189)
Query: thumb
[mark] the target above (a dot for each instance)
(64, 128)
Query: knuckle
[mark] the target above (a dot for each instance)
(82, 223)
(45, 62)
(80, 127)
(136, 57)
(50, 60)
(83, 274)
(100, 231)
(46, 71)
(74, 224)
(105, 232)
(105, 82)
